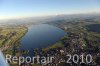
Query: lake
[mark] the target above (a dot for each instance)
(40, 36)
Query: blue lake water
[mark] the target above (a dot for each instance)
(39, 36)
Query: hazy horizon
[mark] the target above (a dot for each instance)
(12, 9)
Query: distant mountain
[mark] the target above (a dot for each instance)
(46, 19)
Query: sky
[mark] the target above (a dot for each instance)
(31, 8)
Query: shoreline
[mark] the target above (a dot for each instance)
(13, 42)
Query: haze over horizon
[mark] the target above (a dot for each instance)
(33, 8)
